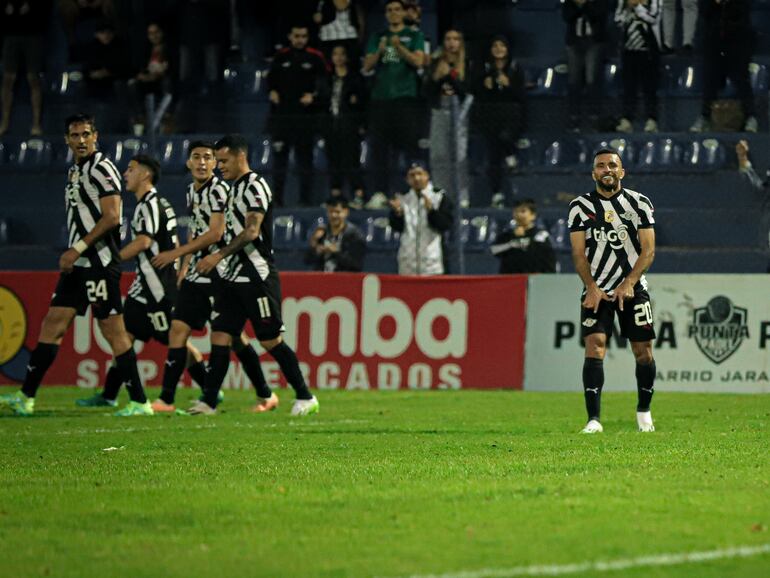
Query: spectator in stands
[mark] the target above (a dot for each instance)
(689, 22)
(448, 77)
(23, 28)
(298, 81)
(499, 112)
(105, 62)
(422, 216)
(638, 20)
(586, 30)
(726, 53)
(154, 78)
(340, 22)
(524, 247)
(79, 18)
(338, 245)
(344, 126)
(394, 56)
(413, 21)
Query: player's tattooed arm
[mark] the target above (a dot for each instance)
(249, 234)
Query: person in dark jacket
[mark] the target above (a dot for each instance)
(338, 245)
(105, 63)
(524, 247)
(297, 82)
(500, 93)
(586, 22)
(344, 127)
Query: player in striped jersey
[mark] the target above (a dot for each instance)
(250, 289)
(90, 270)
(613, 245)
(207, 200)
(152, 295)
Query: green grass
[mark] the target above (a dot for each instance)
(383, 484)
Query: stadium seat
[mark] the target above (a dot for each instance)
(3, 232)
(565, 153)
(33, 155)
(379, 234)
(62, 157)
(659, 154)
(122, 149)
(552, 81)
(69, 85)
(173, 153)
(287, 232)
(261, 156)
(611, 82)
(526, 153)
(476, 232)
(683, 79)
(246, 82)
(705, 154)
(320, 159)
(625, 148)
(559, 234)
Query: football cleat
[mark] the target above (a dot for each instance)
(592, 427)
(644, 421)
(304, 407)
(19, 403)
(264, 405)
(160, 406)
(96, 400)
(201, 408)
(134, 408)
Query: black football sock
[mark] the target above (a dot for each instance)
(645, 380)
(593, 381)
(198, 373)
(112, 383)
(129, 373)
(172, 373)
(287, 360)
(219, 363)
(39, 362)
(250, 361)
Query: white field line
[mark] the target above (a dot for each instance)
(608, 565)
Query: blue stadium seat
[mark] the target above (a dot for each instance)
(565, 153)
(552, 81)
(477, 232)
(526, 153)
(122, 149)
(704, 154)
(625, 148)
(659, 154)
(173, 153)
(69, 85)
(559, 234)
(287, 232)
(246, 81)
(261, 156)
(379, 234)
(320, 159)
(683, 79)
(33, 155)
(611, 81)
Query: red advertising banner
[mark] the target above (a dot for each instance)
(350, 331)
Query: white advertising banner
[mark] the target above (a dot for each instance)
(713, 335)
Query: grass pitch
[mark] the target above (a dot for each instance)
(384, 484)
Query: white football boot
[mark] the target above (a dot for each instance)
(592, 426)
(644, 421)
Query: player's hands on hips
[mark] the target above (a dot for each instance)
(208, 264)
(67, 260)
(624, 291)
(164, 259)
(594, 297)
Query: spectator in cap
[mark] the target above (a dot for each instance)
(422, 216)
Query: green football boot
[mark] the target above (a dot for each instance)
(96, 400)
(19, 403)
(135, 408)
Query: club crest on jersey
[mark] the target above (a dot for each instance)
(609, 216)
(719, 328)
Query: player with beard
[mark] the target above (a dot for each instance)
(613, 245)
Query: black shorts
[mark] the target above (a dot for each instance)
(97, 287)
(635, 320)
(194, 302)
(257, 301)
(147, 322)
(23, 49)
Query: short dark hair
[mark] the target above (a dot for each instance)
(526, 204)
(77, 118)
(300, 24)
(403, 4)
(235, 142)
(150, 164)
(606, 151)
(337, 201)
(200, 144)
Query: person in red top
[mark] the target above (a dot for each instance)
(298, 83)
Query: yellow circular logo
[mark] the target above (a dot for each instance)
(13, 325)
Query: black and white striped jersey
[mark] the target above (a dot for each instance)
(155, 218)
(639, 25)
(212, 197)
(250, 193)
(612, 233)
(88, 181)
